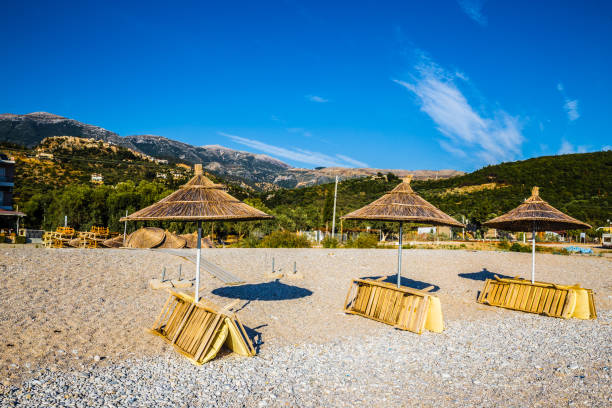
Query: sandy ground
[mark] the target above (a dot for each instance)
(62, 308)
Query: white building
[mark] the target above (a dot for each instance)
(97, 178)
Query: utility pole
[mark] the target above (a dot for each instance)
(125, 227)
(334, 216)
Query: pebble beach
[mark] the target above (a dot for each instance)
(74, 332)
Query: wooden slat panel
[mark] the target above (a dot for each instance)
(368, 310)
(545, 294)
(535, 299)
(191, 327)
(562, 297)
(503, 293)
(552, 300)
(527, 297)
(402, 308)
(511, 300)
(485, 291)
(361, 296)
(519, 294)
(496, 292)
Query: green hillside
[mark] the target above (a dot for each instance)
(46, 188)
(578, 184)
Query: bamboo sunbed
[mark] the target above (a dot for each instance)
(198, 330)
(539, 297)
(403, 308)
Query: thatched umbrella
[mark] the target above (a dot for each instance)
(147, 237)
(173, 241)
(535, 214)
(198, 200)
(402, 204)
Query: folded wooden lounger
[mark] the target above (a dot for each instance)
(404, 308)
(539, 297)
(198, 330)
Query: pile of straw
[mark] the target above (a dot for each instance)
(149, 237)
(192, 240)
(116, 242)
(173, 241)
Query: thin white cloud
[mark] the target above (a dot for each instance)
(568, 148)
(315, 98)
(455, 151)
(491, 139)
(302, 131)
(473, 9)
(349, 160)
(571, 108)
(570, 105)
(297, 154)
(462, 76)
(606, 148)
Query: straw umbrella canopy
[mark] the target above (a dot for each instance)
(402, 204)
(536, 215)
(149, 237)
(173, 241)
(198, 200)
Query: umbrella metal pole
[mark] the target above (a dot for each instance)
(399, 258)
(199, 250)
(125, 227)
(334, 216)
(533, 255)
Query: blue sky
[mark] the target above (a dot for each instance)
(410, 84)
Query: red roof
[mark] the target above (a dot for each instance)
(11, 213)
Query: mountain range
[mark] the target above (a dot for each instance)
(258, 170)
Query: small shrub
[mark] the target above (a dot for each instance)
(20, 239)
(516, 247)
(284, 239)
(247, 242)
(364, 240)
(329, 242)
(504, 245)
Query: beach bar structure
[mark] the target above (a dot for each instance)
(405, 308)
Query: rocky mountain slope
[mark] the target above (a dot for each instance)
(29, 130)
(296, 177)
(258, 170)
(255, 169)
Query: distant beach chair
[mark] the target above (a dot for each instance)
(59, 238)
